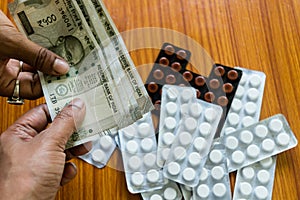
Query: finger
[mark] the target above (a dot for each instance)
(28, 68)
(69, 173)
(30, 86)
(78, 150)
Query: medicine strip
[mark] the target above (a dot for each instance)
(169, 191)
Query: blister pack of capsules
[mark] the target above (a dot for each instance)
(169, 191)
(174, 105)
(258, 141)
(138, 146)
(214, 179)
(99, 155)
(256, 181)
(192, 142)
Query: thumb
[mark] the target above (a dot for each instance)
(66, 123)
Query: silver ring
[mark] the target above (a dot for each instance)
(16, 99)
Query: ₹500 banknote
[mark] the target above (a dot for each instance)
(102, 72)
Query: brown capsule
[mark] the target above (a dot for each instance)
(158, 74)
(163, 61)
(152, 87)
(222, 101)
(227, 88)
(209, 97)
(176, 66)
(232, 75)
(169, 50)
(198, 93)
(170, 79)
(214, 83)
(188, 76)
(200, 81)
(219, 71)
(181, 54)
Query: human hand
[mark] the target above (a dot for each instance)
(33, 157)
(16, 47)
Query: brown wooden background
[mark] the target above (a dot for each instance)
(259, 34)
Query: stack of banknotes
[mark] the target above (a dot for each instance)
(102, 72)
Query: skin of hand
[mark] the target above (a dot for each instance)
(32, 153)
(16, 47)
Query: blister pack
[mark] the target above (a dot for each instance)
(175, 101)
(99, 155)
(169, 191)
(138, 146)
(258, 141)
(256, 181)
(214, 179)
(192, 142)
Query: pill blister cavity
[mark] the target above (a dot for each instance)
(203, 191)
(195, 110)
(172, 93)
(261, 131)
(134, 163)
(190, 124)
(219, 190)
(149, 159)
(246, 137)
(261, 192)
(170, 123)
(203, 175)
(231, 142)
(132, 146)
(275, 125)
(252, 94)
(171, 108)
(255, 80)
(217, 173)
(238, 157)
(205, 129)
(186, 95)
(253, 151)
(147, 144)
(189, 174)
(185, 138)
(137, 178)
(268, 145)
(210, 114)
(156, 197)
(106, 142)
(248, 173)
(233, 119)
(216, 156)
(168, 138)
(200, 144)
(194, 159)
(152, 176)
(99, 156)
(179, 153)
(263, 176)
(144, 129)
(283, 139)
(170, 193)
(245, 189)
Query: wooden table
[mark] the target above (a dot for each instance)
(260, 35)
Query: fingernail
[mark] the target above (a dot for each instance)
(60, 66)
(78, 103)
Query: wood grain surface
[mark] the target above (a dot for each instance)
(259, 34)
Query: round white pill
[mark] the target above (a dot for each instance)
(152, 176)
(215, 156)
(245, 188)
(179, 153)
(229, 130)
(255, 80)
(205, 129)
(187, 94)
(156, 197)
(248, 173)
(200, 144)
(149, 159)
(236, 105)
(129, 132)
(217, 173)
(233, 119)
(98, 156)
(246, 137)
(184, 109)
(194, 159)
(240, 91)
(144, 129)
(106, 142)
(185, 138)
(250, 108)
(137, 178)
(189, 174)
(203, 191)
(170, 123)
(190, 124)
(147, 144)
(267, 162)
(261, 192)
(134, 162)
(268, 145)
(253, 151)
(171, 108)
(261, 131)
(263, 176)
(168, 138)
(172, 93)
(165, 153)
(195, 110)
(238, 157)
(170, 193)
(243, 79)
(132, 146)
(174, 168)
(231, 142)
(283, 139)
(219, 190)
(247, 121)
(252, 94)
(275, 125)
(203, 175)
(210, 114)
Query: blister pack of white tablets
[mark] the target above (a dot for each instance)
(187, 192)
(214, 179)
(256, 181)
(174, 104)
(102, 149)
(192, 143)
(138, 147)
(169, 191)
(246, 105)
(258, 141)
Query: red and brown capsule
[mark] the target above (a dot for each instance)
(227, 88)
(232, 75)
(170, 79)
(219, 71)
(188, 76)
(163, 61)
(176, 66)
(158, 74)
(169, 50)
(209, 97)
(152, 87)
(181, 54)
(214, 83)
(200, 81)
(222, 101)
